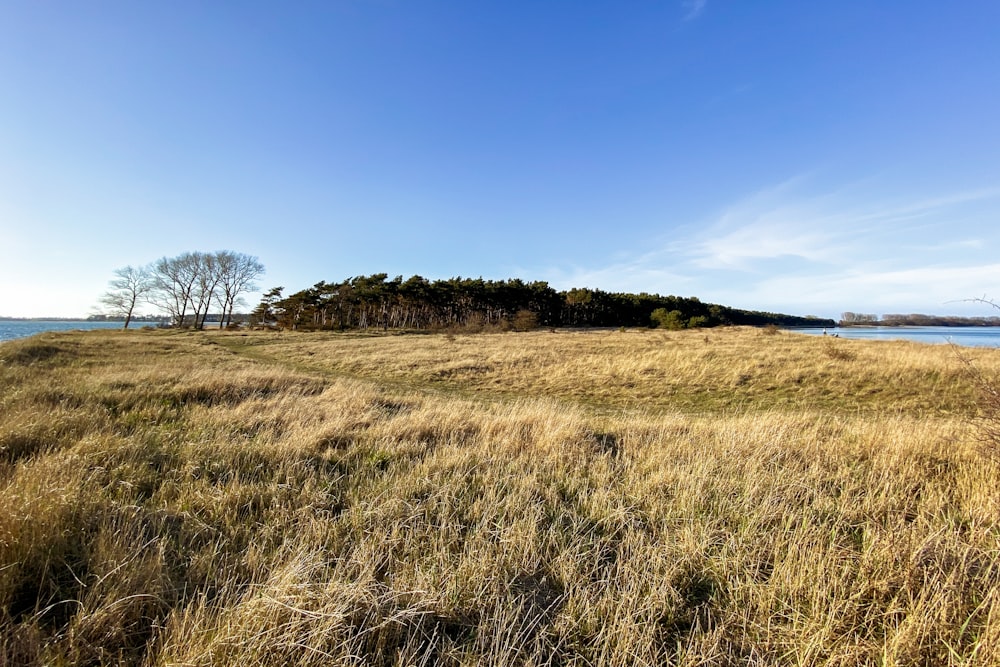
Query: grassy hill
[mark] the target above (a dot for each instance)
(731, 496)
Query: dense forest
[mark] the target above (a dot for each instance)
(374, 301)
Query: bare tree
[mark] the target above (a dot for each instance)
(174, 280)
(126, 289)
(237, 273)
(206, 284)
(185, 287)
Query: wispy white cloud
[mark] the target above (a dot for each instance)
(622, 276)
(785, 249)
(927, 289)
(694, 8)
(832, 228)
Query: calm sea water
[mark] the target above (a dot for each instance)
(11, 329)
(965, 336)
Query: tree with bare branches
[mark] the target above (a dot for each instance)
(237, 273)
(126, 289)
(186, 287)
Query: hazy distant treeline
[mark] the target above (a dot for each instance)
(374, 301)
(916, 320)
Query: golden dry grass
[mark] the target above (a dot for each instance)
(691, 371)
(599, 498)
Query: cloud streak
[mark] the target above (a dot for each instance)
(778, 223)
(694, 8)
(784, 249)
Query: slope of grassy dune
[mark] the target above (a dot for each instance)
(691, 371)
(598, 498)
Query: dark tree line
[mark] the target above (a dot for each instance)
(374, 301)
(185, 288)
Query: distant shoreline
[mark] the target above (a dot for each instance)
(79, 319)
(955, 325)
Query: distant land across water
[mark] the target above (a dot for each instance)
(965, 336)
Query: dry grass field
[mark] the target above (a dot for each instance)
(721, 497)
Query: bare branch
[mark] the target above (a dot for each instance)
(130, 285)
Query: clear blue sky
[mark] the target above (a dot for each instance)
(804, 157)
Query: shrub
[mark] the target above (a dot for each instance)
(837, 351)
(525, 320)
(989, 419)
(988, 389)
(672, 319)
